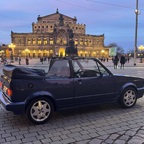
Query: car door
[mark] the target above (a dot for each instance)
(93, 89)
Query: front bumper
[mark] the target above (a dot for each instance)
(16, 107)
(140, 92)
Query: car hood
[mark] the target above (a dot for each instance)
(128, 77)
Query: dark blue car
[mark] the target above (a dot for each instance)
(70, 82)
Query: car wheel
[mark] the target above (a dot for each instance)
(39, 110)
(128, 98)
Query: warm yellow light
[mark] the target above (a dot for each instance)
(1, 51)
(11, 45)
(102, 51)
(27, 50)
(141, 47)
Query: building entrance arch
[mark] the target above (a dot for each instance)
(61, 52)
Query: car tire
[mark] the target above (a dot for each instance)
(39, 110)
(128, 98)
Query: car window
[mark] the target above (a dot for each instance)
(102, 70)
(85, 68)
(59, 68)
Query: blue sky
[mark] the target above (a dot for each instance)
(113, 18)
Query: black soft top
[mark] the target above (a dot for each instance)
(13, 71)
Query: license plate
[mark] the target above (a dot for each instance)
(5, 89)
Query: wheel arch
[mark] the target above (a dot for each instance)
(127, 85)
(42, 94)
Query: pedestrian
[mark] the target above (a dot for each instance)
(122, 61)
(19, 60)
(41, 60)
(27, 61)
(115, 61)
(128, 59)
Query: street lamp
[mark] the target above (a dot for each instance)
(12, 46)
(141, 47)
(137, 12)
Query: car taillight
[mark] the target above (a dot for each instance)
(0, 84)
(9, 92)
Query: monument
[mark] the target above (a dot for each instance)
(71, 49)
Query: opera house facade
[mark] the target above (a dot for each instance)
(50, 36)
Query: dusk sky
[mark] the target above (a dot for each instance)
(114, 18)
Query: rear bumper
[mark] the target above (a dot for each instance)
(16, 107)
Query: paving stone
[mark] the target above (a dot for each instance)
(2, 140)
(119, 142)
(17, 142)
(84, 137)
(124, 137)
(82, 142)
(19, 137)
(29, 139)
(113, 136)
(109, 141)
(46, 140)
(68, 141)
(95, 141)
(136, 140)
(32, 134)
(55, 138)
(140, 135)
(6, 143)
(37, 142)
(130, 133)
(10, 138)
(56, 142)
(104, 137)
(93, 135)
(6, 135)
(64, 136)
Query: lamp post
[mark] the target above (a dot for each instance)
(141, 47)
(137, 12)
(12, 46)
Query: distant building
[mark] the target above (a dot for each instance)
(4, 51)
(51, 34)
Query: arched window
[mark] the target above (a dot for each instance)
(39, 41)
(45, 41)
(33, 41)
(86, 42)
(28, 41)
(76, 41)
(81, 42)
(51, 40)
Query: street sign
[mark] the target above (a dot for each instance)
(112, 51)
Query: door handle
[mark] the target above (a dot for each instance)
(79, 81)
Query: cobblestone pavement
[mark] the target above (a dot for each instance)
(104, 124)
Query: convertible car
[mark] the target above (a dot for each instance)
(70, 82)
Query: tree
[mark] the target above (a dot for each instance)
(120, 50)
